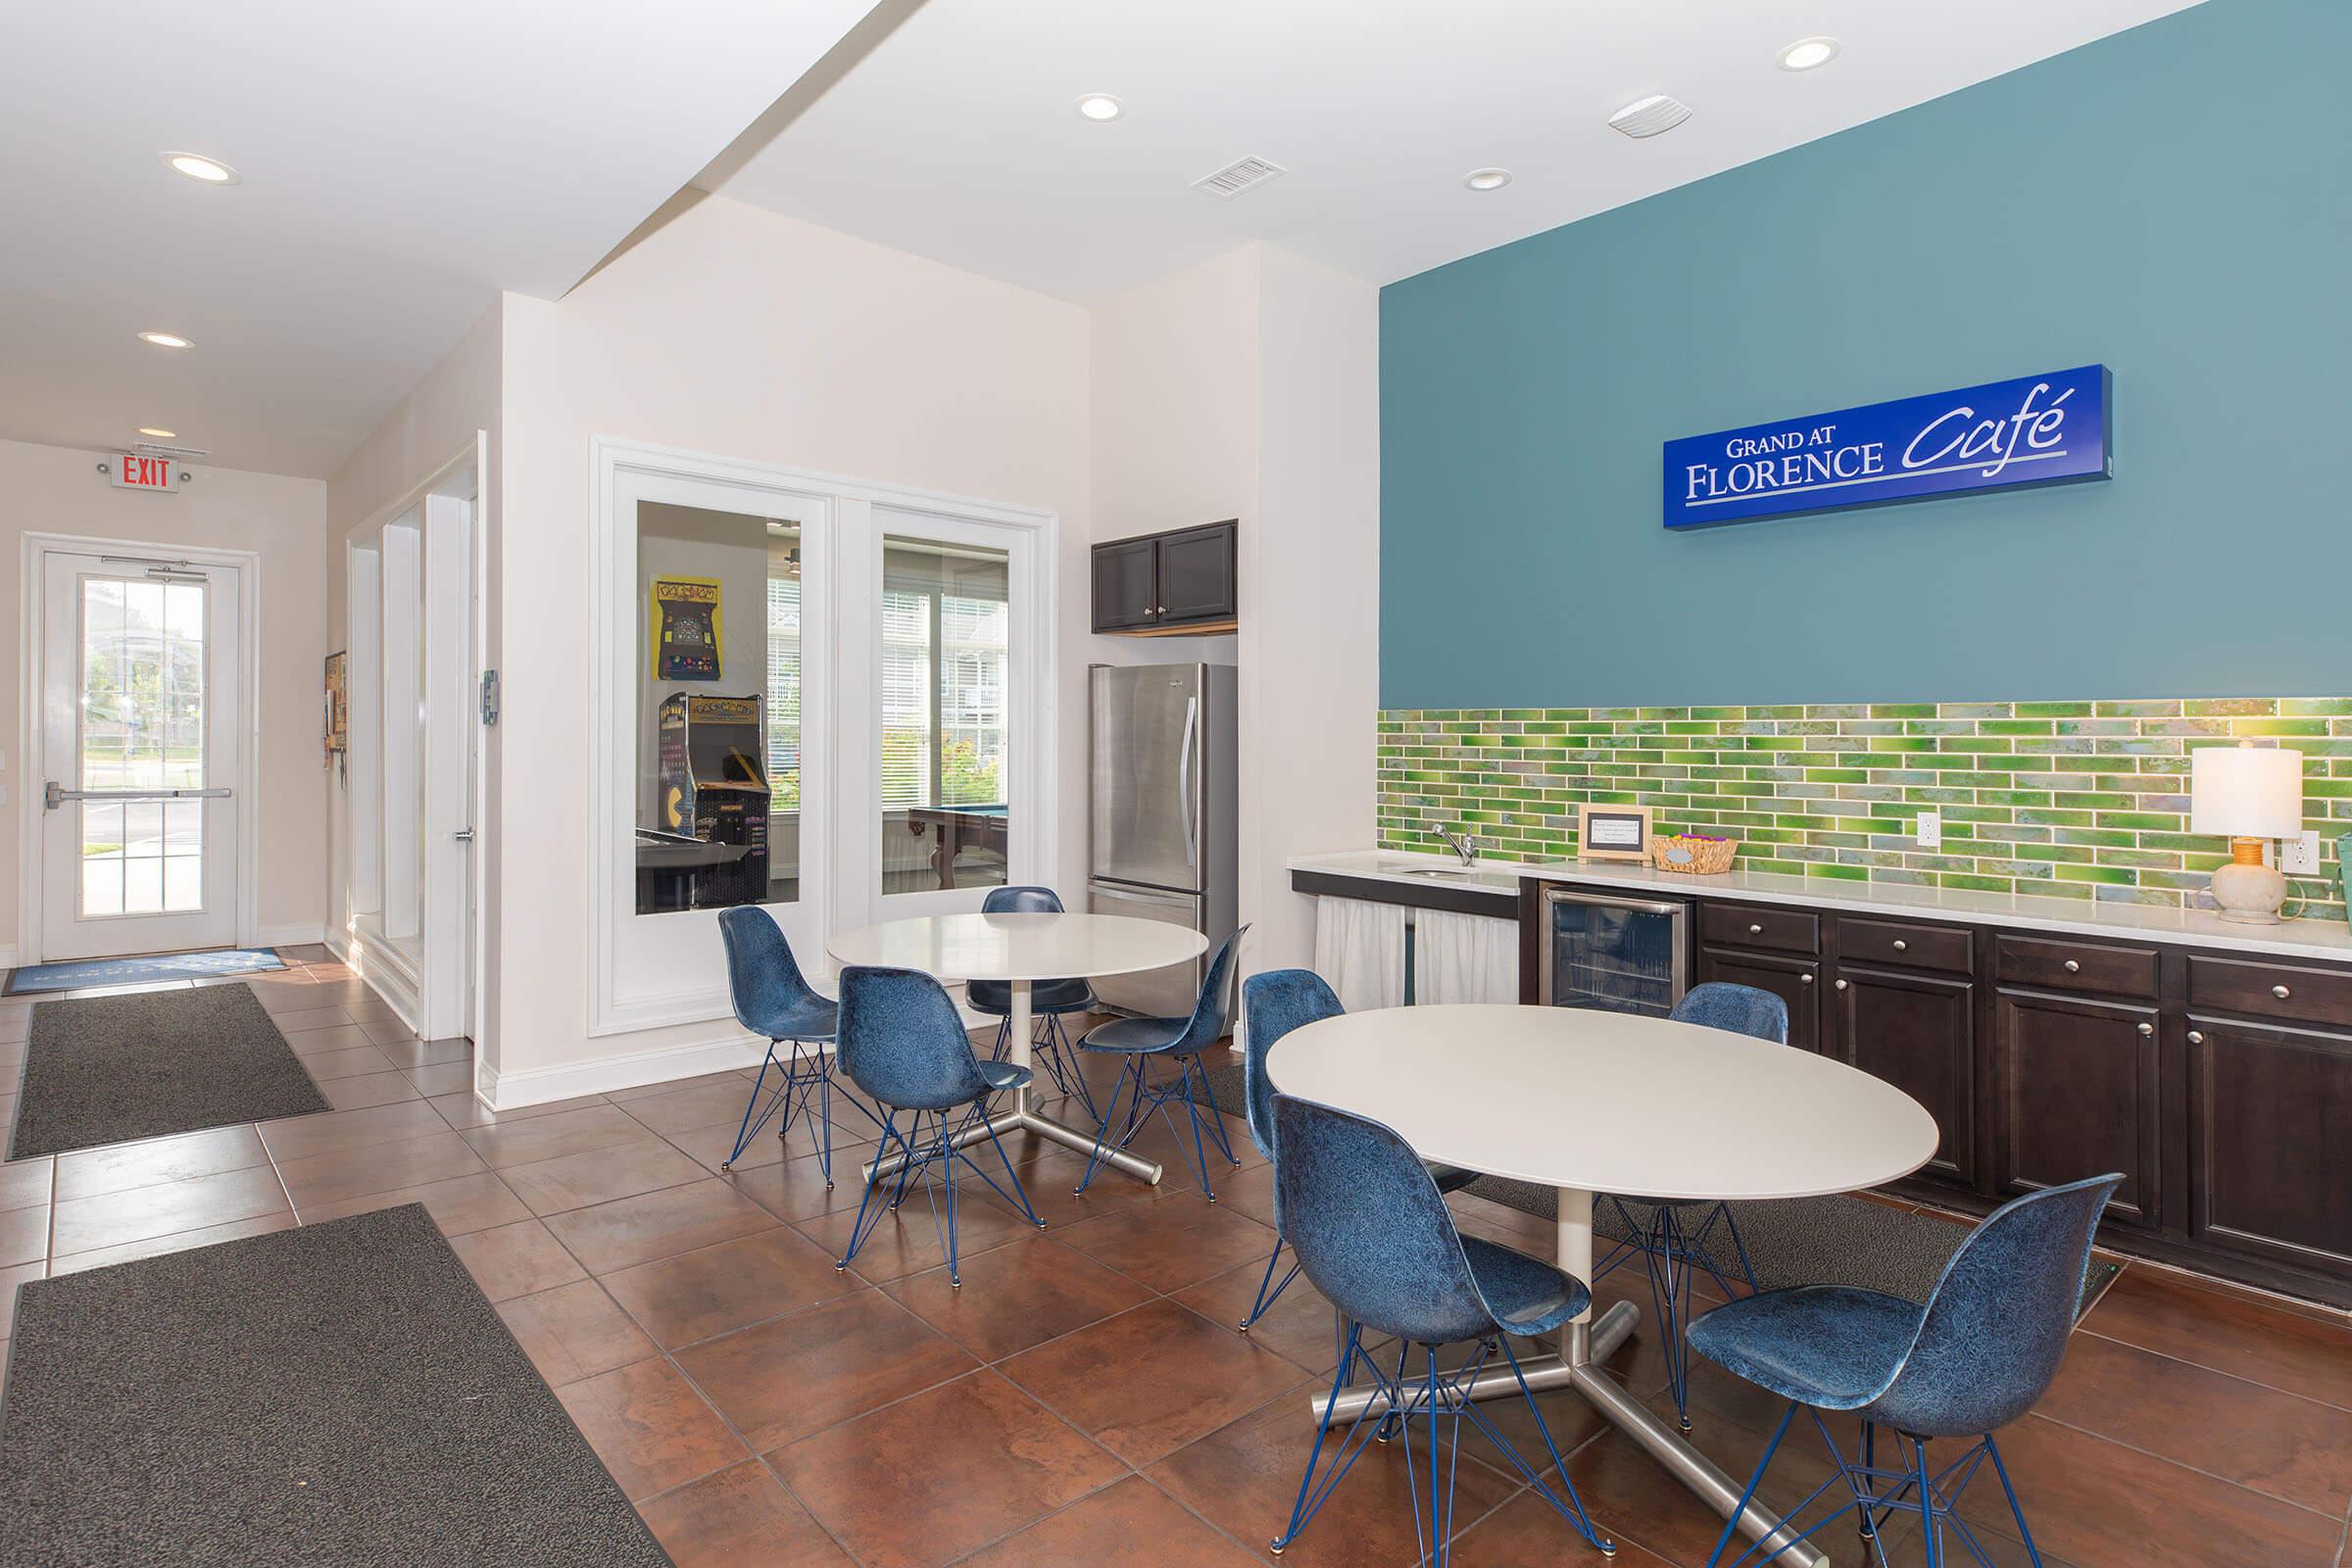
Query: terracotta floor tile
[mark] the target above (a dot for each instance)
(174, 1242)
(796, 1190)
(537, 1137)
(714, 1144)
(1017, 1295)
(650, 1427)
(629, 1231)
(600, 1175)
(2278, 1349)
(464, 1110)
(27, 1182)
(914, 1238)
(623, 1097)
(701, 1106)
(1049, 1176)
(458, 1206)
(1147, 1382)
(413, 1052)
(1526, 1531)
(1130, 1521)
(1632, 1497)
(295, 1020)
(369, 1089)
(783, 1379)
(1245, 1477)
(339, 1037)
(342, 1130)
(574, 1331)
(118, 1168)
(355, 1063)
(441, 1078)
(1299, 1325)
(713, 1290)
(24, 1235)
(977, 1459)
(387, 1031)
(9, 1279)
(86, 1223)
(739, 1517)
(319, 1179)
(519, 1259)
(1169, 1245)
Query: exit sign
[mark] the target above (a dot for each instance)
(130, 471)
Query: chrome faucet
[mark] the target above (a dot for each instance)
(1463, 846)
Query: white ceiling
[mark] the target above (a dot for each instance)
(956, 139)
(401, 164)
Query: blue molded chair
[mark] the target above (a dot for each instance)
(772, 998)
(1048, 1000)
(1180, 1039)
(1669, 1246)
(903, 1042)
(1373, 1233)
(1276, 1003)
(1977, 1356)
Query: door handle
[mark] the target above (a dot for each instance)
(1184, 783)
(55, 795)
(463, 835)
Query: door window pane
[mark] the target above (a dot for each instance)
(718, 710)
(945, 691)
(142, 728)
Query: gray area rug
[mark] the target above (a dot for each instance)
(1791, 1241)
(109, 1070)
(340, 1395)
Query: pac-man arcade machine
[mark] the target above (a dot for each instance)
(713, 788)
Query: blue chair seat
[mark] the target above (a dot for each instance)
(1526, 1295)
(1005, 1075)
(1134, 1035)
(1832, 1347)
(820, 1022)
(995, 997)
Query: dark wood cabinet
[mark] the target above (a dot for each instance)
(1796, 981)
(2270, 1142)
(1184, 580)
(2076, 1094)
(1919, 1033)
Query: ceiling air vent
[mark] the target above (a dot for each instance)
(1653, 116)
(161, 448)
(1234, 178)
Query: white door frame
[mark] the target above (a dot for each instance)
(33, 567)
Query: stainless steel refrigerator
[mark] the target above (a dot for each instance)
(1164, 794)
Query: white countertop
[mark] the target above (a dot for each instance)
(2297, 939)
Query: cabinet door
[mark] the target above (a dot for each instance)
(1796, 981)
(2269, 1162)
(1919, 1033)
(2075, 1095)
(1197, 574)
(1126, 578)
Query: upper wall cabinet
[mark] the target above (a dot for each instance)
(1164, 584)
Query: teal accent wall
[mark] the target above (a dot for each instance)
(2173, 201)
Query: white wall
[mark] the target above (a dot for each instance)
(737, 332)
(59, 490)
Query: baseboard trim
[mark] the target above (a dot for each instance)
(510, 1091)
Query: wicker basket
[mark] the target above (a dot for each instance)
(1692, 854)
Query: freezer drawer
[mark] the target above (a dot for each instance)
(1152, 992)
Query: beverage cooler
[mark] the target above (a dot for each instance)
(1611, 953)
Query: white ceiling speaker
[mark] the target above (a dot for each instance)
(1653, 116)
(1245, 173)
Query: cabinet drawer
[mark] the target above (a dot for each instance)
(2271, 990)
(2078, 966)
(1921, 946)
(1746, 926)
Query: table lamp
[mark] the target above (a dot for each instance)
(2246, 793)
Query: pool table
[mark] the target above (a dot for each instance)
(956, 829)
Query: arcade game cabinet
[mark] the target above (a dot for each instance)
(713, 788)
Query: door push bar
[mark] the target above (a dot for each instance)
(55, 795)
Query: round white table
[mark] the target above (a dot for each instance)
(1588, 1102)
(1022, 950)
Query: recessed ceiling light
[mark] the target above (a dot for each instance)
(165, 340)
(205, 171)
(1101, 106)
(159, 433)
(1807, 53)
(1487, 178)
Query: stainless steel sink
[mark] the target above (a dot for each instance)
(1439, 873)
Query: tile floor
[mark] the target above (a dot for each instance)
(1084, 1398)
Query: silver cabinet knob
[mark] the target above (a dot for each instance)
(1900, 946)
(2073, 967)
(1841, 985)
(2197, 1037)
(1755, 930)
(2280, 992)
(1804, 979)
(2147, 1028)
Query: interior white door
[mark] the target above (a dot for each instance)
(140, 690)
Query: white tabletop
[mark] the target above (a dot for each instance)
(1019, 947)
(1610, 1102)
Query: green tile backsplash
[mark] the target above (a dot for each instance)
(2074, 798)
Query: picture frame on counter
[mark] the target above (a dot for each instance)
(1612, 832)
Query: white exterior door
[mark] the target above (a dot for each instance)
(139, 757)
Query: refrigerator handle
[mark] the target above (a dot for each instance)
(1184, 783)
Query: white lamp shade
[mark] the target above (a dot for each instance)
(2247, 792)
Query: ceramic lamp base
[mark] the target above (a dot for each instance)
(2246, 889)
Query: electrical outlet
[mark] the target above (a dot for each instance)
(2300, 856)
(1930, 830)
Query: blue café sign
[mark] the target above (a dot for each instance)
(2036, 430)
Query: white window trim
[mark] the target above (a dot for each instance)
(836, 627)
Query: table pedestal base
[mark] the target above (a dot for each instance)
(1018, 1117)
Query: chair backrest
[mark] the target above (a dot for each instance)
(1275, 1002)
(1742, 1010)
(1215, 1002)
(1020, 901)
(903, 1042)
(1365, 1219)
(763, 981)
(1996, 1326)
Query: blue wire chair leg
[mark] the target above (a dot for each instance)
(1146, 1098)
(944, 1147)
(1266, 1302)
(1671, 1252)
(805, 1074)
(1051, 1049)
